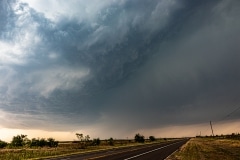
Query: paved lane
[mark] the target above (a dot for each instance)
(157, 152)
(149, 152)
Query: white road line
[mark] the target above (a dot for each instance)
(151, 151)
(171, 154)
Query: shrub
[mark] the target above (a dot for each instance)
(52, 143)
(34, 142)
(19, 140)
(152, 138)
(96, 142)
(111, 141)
(3, 144)
(42, 142)
(139, 138)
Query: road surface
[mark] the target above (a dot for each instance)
(146, 152)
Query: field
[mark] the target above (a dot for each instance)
(64, 148)
(209, 149)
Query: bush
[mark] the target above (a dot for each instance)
(152, 138)
(96, 142)
(111, 141)
(38, 142)
(42, 142)
(34, 142)
(3, 144)
(139, 138)
(52, 143)
(19, 140)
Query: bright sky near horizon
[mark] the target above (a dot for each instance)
(113, 68)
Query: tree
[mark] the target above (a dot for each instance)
(34, 142)
(152, 138)
(87, 138)
(52, 143)
(42, 142)
(139, 138)
(19, 140)
(96, 142)
(111, 141)
(3, 144)
(82, 141)
(79, 136)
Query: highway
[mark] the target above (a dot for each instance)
(147, 152)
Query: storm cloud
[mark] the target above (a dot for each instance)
(119, 65)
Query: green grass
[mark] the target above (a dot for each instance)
(208, 149)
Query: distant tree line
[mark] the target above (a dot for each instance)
(22, 140)
(227, 136)
(82, 142)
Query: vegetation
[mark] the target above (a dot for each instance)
(139, 138)
(23, 148)
(152, 138)
(84, 142)
(79, 136)
(96, 142)
(228, 136)
(19, 140)
(207, 147)
(213, 148)
(23, 141)
(111, 141)
(3, 144)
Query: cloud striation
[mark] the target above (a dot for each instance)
(122, 65)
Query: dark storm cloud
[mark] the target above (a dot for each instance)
(140, 63)
(196, 79)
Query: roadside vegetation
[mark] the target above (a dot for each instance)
(21, 147)
(225, 147)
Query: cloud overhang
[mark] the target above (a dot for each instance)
(126, 65)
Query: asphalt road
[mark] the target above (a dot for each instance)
(147, 152)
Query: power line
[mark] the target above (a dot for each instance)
(237, 105)
(228, 115)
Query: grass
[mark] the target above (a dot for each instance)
(22, 154)
(208, 149)
(63, 149)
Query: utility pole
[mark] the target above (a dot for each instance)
(211, 128)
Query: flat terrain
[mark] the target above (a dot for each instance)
(150, 152)
(208, 149)
(71, 148)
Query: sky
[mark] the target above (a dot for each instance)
(114, 68)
